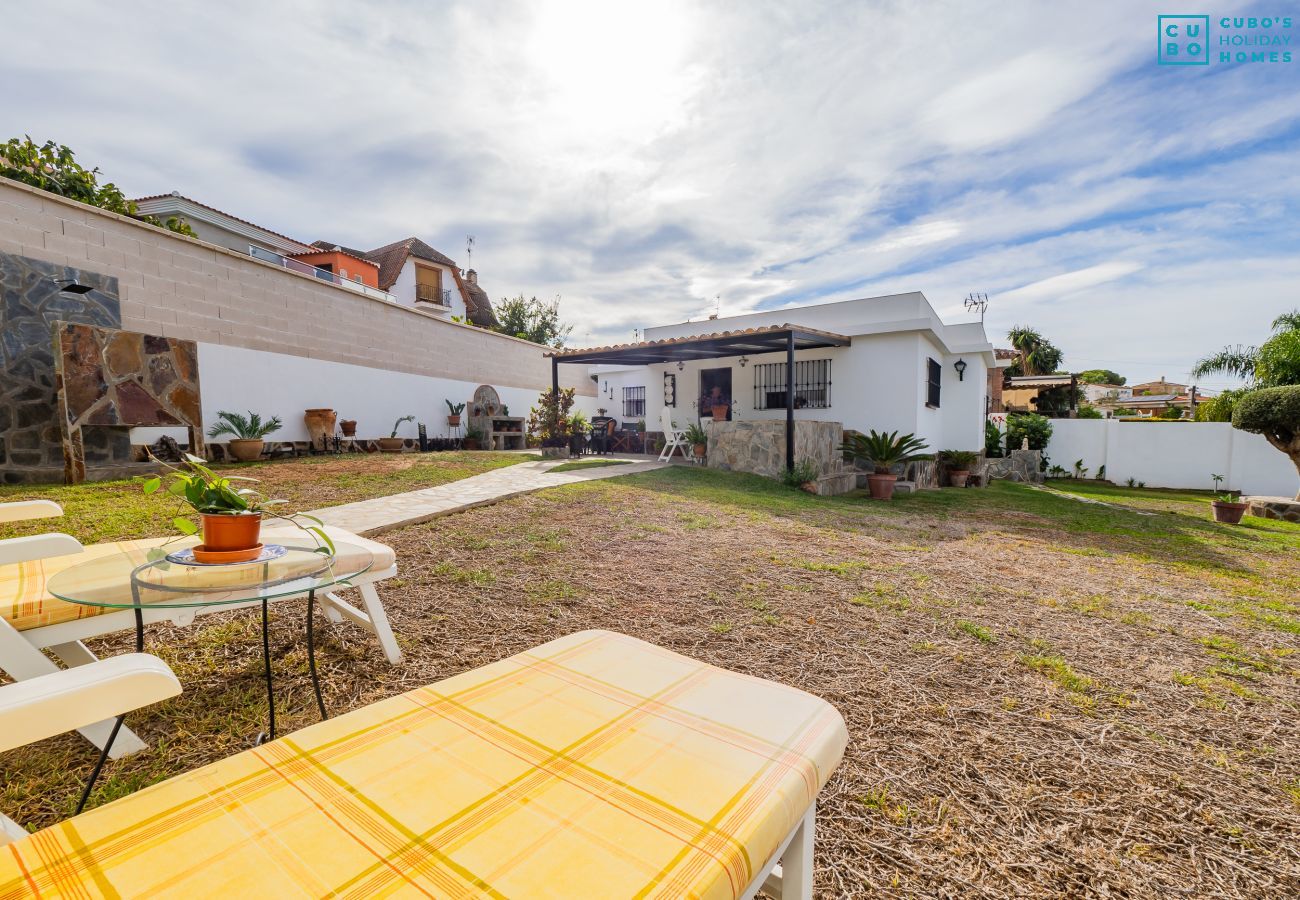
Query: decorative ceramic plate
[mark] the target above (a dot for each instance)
(186, 557)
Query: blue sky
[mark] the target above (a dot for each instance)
(643, 160)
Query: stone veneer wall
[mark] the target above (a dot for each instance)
(31, 446)
(1021, 465)
(180, 287)
(1284, 508)
(758, 446)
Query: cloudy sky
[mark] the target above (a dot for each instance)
(641, 160)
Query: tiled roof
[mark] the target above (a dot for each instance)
(330, 245)
(320, 247)
(218, 211)
(478, 306)
(391, 257)
(1000, 353)
(714, 336)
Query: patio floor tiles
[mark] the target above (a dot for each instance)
(370, 517)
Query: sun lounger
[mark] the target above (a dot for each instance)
(593, 766)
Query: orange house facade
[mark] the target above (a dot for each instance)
(342, 264)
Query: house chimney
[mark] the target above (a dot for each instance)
(471, 276)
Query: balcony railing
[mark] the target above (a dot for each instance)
(430, 293)
(322, 274)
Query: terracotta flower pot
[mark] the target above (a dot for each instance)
(1228, 513)
(959, 477)
(320, 424)
(881, 486)
(472, 444)
(227, 533)
(720, 412)
(391, 444)
(349, 427)
(246, 450)
(453, 421)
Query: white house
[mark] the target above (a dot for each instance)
(883, 363)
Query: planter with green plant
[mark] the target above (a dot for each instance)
(698, 438)
(392, 443)
(1228, 509)
(474, 438)
(803, 476)
(230, 517)
(453, 413)
(884, 451)
(247, 433)
(958, 463)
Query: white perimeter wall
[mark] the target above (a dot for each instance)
(276, 384)
(1174, 454)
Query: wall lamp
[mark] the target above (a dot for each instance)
(680, 365)
(744, 360)
(960, 366)
(71, 286)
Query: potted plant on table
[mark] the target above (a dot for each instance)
(453, 413)
(392, 443)
(230, 517)
(958, 463)
(247, 433)
(698, 438)
(1227, 507)
(884, 451)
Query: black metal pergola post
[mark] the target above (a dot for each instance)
(789, 402)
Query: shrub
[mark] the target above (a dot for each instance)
(804, 470)
(1171, 412)
(992, 440)
(1028, 425)
(1273, 412)
(1090, 412)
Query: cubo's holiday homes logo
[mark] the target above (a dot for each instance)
(1186, 40)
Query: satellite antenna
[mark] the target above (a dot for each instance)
(976, 301)
(469, 251)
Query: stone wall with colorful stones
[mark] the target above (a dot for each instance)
(31, 301)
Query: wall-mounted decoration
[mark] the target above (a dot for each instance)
(122, 378)
(670, 389)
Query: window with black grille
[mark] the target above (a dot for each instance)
(933, 377)
(633, 402)
(812, 385)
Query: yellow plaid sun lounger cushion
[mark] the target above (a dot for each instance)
(593, 766)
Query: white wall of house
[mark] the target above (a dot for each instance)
(1174, 454)
(404, 289)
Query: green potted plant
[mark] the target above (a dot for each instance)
(230, 517)
(884, 451)
(392, 443)
(247, 433)
(958, 463)
(698, 438)
(453, 413)
(1228, 509)
(473, 438)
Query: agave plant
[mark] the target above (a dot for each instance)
(884, 450)
(243, 428)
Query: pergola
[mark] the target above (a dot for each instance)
(768, 339)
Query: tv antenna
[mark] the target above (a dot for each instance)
(469, 251)
(976, 301)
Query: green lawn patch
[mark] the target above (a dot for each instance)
(589, 464)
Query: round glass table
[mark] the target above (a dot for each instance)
(155, 582)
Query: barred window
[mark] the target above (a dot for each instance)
(633, 402)
(934, 375)
(812, 385)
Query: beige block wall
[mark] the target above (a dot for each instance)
(183, 288)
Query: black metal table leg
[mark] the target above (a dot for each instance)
(266, 668)
(117, 725)
(311, 653)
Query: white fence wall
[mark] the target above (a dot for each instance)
(1174, 454)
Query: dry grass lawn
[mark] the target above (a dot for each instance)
(1046, 697)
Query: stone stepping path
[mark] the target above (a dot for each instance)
(371, 517)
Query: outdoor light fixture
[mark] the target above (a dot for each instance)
(70, 286)
(960, 366)
(743, 361)
(680, 365)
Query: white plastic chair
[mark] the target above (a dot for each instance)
(21, 646)
(674, 437)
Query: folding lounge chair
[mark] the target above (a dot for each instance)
(595, 765)
(32, 620)
(673, 436)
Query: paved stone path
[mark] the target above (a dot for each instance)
(371, 517)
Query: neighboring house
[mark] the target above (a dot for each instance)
(216, 227)
(1026, 393)
(350, 264)
(1155, 404)
(903, 369)
(1105, 394)
(1159, 387)
(416, 274)
(1003, 359)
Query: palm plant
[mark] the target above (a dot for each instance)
(1036, 355)
(243, 428)
(1274, 362)
(960, 460)
(884, 450)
